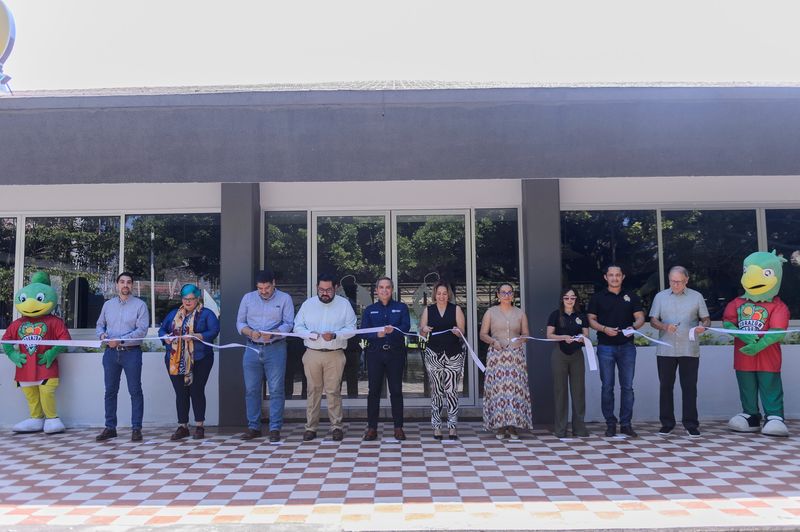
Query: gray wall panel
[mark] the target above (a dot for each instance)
(415, 134)
(240, 235)
(541, 225)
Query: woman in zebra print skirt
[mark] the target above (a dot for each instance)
(444, 357)
(507, 399)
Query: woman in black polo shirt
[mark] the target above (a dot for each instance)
(567, 363)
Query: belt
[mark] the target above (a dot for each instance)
(125, 347)
(266, 343)
(384, 347)
(325, 350)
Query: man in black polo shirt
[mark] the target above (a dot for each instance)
(610, 312)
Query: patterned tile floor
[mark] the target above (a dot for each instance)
(722, 479)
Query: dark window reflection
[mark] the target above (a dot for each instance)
(8, 244)
(496, 261)
(592, 239)
(711, 245)
(81, 254)
(165, 251)
(783, 235)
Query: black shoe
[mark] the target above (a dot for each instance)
(181, 433)
(611, 431)
(628, 431)
(199, 433)
(371, 434)
(337, 435)
(136, 435)
(664, 430)
(560, 435)
(107, 434)
(693, 432)
(309, 435)
(251, 434)
(581, 433)
(274, 436)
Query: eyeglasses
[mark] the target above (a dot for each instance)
(569, 297)
(326, 290)
(506, 293)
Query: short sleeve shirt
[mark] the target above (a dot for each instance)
(684, 310)
(614, 310)
(571, 324)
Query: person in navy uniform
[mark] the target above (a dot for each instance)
(386, 356)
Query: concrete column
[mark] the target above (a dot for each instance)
(541, 226)
(239, 260)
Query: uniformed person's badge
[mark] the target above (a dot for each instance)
(578, 321)
(627, 298)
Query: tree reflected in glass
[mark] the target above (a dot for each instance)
(8, 245)
(783, 235)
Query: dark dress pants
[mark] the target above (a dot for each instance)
(687, 368)
(388, 364)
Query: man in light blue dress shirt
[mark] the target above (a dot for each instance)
(262, 311)
(123, 322)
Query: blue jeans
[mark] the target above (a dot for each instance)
(624, 357)
(114, 362)
(270, 361)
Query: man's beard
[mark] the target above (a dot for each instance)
(325, 298)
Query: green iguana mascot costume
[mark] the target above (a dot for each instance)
(757, 358)
(37, 367)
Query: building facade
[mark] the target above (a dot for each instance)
(536, 186)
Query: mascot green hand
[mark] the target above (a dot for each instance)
(757, 357)
(37, 365)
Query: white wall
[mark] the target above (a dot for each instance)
(81, 390)
(717, 391)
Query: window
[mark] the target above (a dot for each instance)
(286, 252)
(711, 244)
(166, 251)
(496, 261)
(783, 235)
(590, 240)
(81, 254)
(8, 244)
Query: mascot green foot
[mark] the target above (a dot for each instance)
(745, 423)
(775, 427)
(29, 425)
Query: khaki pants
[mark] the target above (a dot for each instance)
(324, 372)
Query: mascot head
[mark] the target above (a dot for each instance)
(36, 299)
(762, 275)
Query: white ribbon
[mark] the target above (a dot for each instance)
(71, 343)
(97, 344)
(474, 356)
(735, 331)
(631, 331)
(304, 336)
(591, 357)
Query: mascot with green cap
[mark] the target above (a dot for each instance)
(757, 358)
(37, 367)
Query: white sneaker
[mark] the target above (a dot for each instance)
(53, 426)
(775, 427)
(743, 423)
(29, 425)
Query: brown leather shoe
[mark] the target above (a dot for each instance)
(136, 435)
(251, 434)
(199, 433)
(181, 433)
(274, 436)
(309, 435)
(107, 434)
(337, 435)
(399, 434)
(371, 434)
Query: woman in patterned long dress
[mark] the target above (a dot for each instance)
(444, 357)
(507, 398)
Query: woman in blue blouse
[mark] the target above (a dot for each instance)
(189, 362)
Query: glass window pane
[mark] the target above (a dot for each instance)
(353, 249)
(8, 245)
(711, 245)
(286, 252)
(429, 248)
(590, 240)
(165, 251)
(496, 261)
(81, 254)
(783, 235)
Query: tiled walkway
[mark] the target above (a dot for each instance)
(721, 479)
